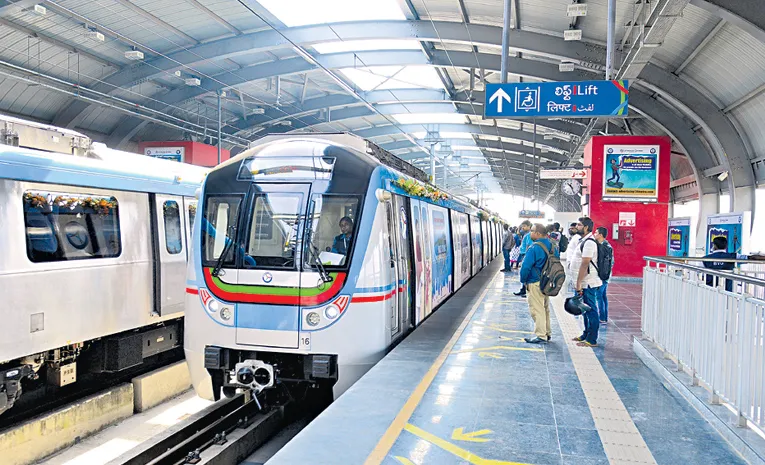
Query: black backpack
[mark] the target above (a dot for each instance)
(563, 243)
(553, 274)
(605, 258)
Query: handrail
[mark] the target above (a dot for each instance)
(698, 269)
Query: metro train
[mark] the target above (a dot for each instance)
(93, 254)
(312, 256)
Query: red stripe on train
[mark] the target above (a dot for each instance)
(191, 290)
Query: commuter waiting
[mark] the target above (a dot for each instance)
(531, 273)
(588, 282)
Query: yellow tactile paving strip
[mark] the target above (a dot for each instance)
(622, 442)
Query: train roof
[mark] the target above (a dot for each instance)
(375, 153)
(104, 168)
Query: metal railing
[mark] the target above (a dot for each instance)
(716, 335)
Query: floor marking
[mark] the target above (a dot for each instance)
(484, 349)
(387, 440)
(404, 460)
(622, 442)
(490, 355)
(459, 434)
(454, 449)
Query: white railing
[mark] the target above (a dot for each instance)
(715, 335)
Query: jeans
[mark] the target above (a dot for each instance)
(603, 301)
(506, 254)
(591, 321)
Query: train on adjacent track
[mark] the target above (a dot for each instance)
(93, 256)
(312, 256)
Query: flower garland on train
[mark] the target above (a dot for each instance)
(415, 189)
(101, 205)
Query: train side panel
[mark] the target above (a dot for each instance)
(103, 296)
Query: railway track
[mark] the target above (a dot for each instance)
(226, 433)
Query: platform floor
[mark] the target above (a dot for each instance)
(487, 397)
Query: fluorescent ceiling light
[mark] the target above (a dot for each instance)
(429, 118)
(304, 12)
(393, 77)
(362, 45)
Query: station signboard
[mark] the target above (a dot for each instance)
(582, 99)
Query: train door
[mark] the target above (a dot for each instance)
(401, 224)
(188, 219)
(419, 263)
(454, 220)
(391, 268)
(170, 237)
(272, 225)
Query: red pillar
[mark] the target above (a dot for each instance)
(647, 235)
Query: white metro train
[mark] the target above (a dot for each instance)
(93, 253)
(312, 256)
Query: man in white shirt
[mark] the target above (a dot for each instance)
(587, 282)
(572, 267)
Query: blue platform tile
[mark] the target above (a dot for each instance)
(498, 411)
(419, 451)
(580, 442)
(512, 440)
(578, 460)
(575, 416)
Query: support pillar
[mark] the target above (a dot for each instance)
(709, 204)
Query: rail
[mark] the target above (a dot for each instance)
(713, 324)
(188, 443)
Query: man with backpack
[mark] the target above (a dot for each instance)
(563, 240)
(537, 267)
(526, 242)
(588, 282)
(605, 266)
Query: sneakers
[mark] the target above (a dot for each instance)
(535, 340)
(586, 344)
(519, 294)
(603, 322)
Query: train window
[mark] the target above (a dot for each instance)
(172, 216)
(333, 228)
(62, 226)
(220, 215)
(273, 232)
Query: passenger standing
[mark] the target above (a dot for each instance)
(516, 252)
(525, 243)
(600, 236)
(563, 239)
(531, 273)
(588, 283)
(508, 242)
(572, 268)
(720, 251)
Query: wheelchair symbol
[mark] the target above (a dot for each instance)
(527, 99)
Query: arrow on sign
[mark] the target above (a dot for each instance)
(459, 435)
(499, 96)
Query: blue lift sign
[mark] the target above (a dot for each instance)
(582, 99)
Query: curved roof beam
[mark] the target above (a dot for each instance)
(508, 151)
(389, 102)
(746, 14)
(187, 59)
(476, 129)
(519, 66)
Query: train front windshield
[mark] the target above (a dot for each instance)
(326, 225)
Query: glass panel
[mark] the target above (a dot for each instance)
(292, 168)
(273, 232)
(333, 228)
(220, 215)
(192, 216)
(63, 226)
(172, 218)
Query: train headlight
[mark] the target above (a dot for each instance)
(225, 313)
(313, 319)
(331, 312)
(214, 306)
